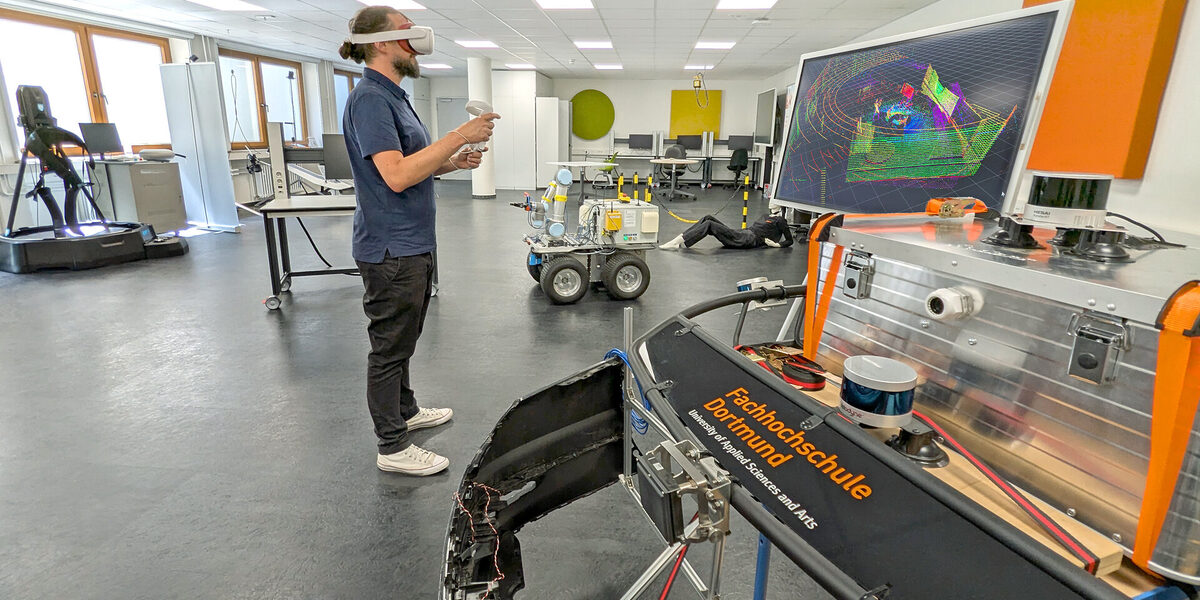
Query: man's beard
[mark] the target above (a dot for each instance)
(406, 67)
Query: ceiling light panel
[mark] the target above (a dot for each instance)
(609, 67)
(238, 5)
(396, 4)
(476, 44)
(564, 4)
(598, 45)
(715, 45)
(436, 66)
(745, 4)
(698, 67)
(520, 66)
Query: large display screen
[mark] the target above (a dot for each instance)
(764, 122)
(884, 129)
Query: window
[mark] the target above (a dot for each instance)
(241, 100)
(260, 90)
(343, 82)
(90, 74)
(281, 92)
(133, 91)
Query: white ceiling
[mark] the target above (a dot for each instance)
(653, 39)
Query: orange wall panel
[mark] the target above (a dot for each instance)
(1103, 104)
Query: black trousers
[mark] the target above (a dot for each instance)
(396, 301)
(728, 236)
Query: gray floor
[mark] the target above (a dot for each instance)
(163, 435)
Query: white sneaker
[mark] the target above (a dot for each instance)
(674, 243)
(412, 461)
(429, 417)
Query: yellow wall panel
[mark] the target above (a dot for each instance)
(688, 118)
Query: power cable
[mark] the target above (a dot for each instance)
(1154, 233)
(314, 246)
(728, 201)
(638, 423)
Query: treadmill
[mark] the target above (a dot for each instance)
(68, 242)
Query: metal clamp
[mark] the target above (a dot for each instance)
(666, 474)
(1099, 341)
(1112, 331)
(860, 268)
(682, 470)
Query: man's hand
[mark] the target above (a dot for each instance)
(468, 159)
(478, 129)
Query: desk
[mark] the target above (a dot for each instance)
(676, 162)
(279, 260)
(750, 168)
(583, 165)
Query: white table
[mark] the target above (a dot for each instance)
(582, 165)
(673, 163)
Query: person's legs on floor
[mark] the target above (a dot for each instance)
(698, 231)
(395, 300)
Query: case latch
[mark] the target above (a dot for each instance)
(1099, 341)
(860, 267)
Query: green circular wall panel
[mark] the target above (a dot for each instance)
(591, 114)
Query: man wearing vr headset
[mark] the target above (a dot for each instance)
(394, 162)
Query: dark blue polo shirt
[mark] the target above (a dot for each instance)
(379, 117)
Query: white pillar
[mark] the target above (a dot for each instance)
(479, 87)
(325, 115)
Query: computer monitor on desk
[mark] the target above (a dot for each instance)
(741, 142)
(641, 141)
(690, 142)
(337, 157)
(101, 138)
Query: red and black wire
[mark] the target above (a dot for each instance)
(1090, 561)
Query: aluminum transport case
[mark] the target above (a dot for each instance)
(1042, 363)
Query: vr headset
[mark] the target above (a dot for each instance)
(414, 38)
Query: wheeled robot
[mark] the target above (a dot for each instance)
(609, 247)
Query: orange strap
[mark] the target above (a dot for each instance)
(815, 314)
(818, 325)
(1176, 399)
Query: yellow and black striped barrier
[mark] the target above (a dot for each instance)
(745, 201)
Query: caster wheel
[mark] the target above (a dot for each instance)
(272, 303)
(286, 286)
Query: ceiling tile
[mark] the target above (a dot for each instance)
(653, 38)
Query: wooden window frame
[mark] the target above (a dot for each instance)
(349, 75)
(87, 59)
(256, 62)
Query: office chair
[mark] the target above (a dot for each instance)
(738, 162)
(604, 175)
(675, 151)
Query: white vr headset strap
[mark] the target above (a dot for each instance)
(416, 32)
